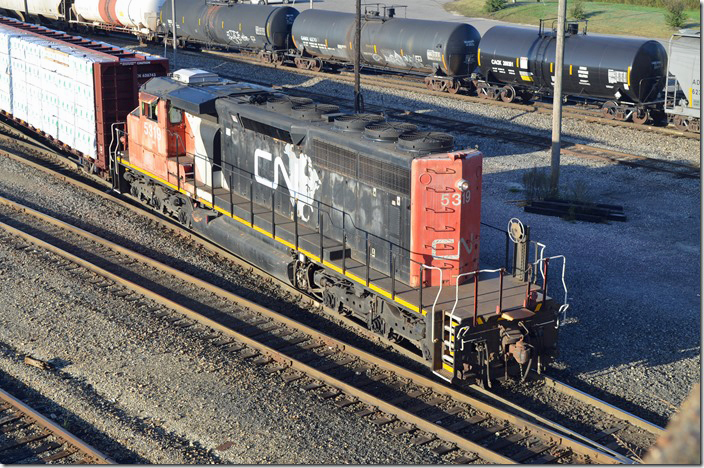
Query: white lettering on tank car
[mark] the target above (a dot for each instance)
(433, 55)
(259, 31)
(617, 76)
(300, 178)
(463, 243)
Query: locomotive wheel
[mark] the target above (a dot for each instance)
(453, 87)
(640, 116)
(609, 110)
(508, 94)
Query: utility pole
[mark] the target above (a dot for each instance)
(557, 97)
(173, 28)
(358, 101)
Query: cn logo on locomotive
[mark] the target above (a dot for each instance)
(300, 178)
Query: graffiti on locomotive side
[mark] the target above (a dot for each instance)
(299, 177)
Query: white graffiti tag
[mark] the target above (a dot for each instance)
(463, 243)
(300, 178)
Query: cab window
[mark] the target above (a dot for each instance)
(149, 110)
(175, 116)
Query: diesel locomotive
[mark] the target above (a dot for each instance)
(377, 220)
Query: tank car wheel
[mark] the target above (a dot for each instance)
(278, 60)
(680, 123)
(316, 66)
(609, 110)
(640, 116)
(300, 63)
(694, 125)
(508, 94)
(454, 86)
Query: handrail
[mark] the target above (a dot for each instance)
(565, 305)
(435, 302)
(476, 291)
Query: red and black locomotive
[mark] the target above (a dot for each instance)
(377, 220)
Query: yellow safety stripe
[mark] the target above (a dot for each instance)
(550, 67)
(313, 257)
(570, 69)
(447, 367)
(690, 97)
(479, 57)
(517, 66)
(443, 62)
(629, 76)
(375, 48)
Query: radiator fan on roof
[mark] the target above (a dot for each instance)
(283, 104)
(312, 111)
(387, 131)
(425, 142)
(356, 122)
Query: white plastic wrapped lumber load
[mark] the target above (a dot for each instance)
(70, 90)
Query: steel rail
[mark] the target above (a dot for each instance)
(219, 251)
(599, 455)
(94, 455)
(179, 230)
(602, 405)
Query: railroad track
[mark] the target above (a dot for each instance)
(349, 378)
(620, 425)
(614, 433)
(417, 85)
(28, 437)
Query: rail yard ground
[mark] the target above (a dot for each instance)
(142, 390)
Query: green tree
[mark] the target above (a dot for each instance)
(675, 16)
(577, 10)
(494, 5)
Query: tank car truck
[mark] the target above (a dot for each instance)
(377, 220)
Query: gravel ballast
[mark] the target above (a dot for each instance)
(633, 336)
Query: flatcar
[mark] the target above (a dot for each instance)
(627, 75)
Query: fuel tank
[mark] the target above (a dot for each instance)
(52, 9)
(408, 44)
(596, 66)
(258, 27)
